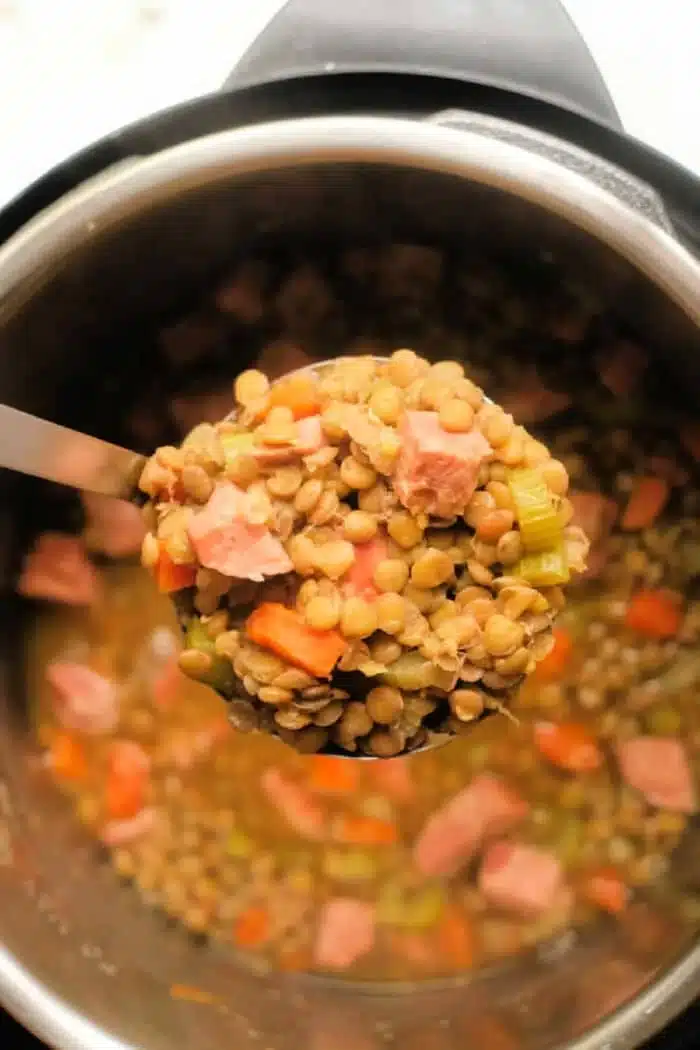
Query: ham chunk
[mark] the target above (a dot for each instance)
(295, 804)
(122, 832)
(532, 401)
(82, 699)
(658, 768)
(226, 541)
(594, 513)
(453, 834)
(59, 569)
(345, 933)
(621, 367)
(437, 472)
(310, 438)
(359, 579)
(521, 878)
(114, 527)
(184, 748)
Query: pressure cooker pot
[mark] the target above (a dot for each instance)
(94, 264)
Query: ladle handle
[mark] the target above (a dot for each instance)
(46, 450)
(531, 48)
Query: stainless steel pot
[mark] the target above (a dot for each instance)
(83, 964)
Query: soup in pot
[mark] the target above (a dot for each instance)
(550, 817)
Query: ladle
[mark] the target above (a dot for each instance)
(47, 450)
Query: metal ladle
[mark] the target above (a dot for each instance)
(46, 450)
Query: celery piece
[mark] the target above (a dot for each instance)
(664, 720)
(239, 845)
(221, 675)
(197, 637)
(236, 444)
(417, 910)
(545, 569)
(351, 865)
(538, 518)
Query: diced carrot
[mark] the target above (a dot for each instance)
(606, 888)
(568, 745)
(333, 776)
(284, 631)
(690, 438)
(126, 784)
(300, 393)
(252, 928)
(456, 939)
(173, 577)
(189, 993)
(557, 659)
(656, 614)
(365, 831)
(67, 757)
(647, 499)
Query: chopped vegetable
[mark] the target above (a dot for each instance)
(568, 745)
(350, 865)
(456, 938)
(220, 675)
(365, 831)
(126, 785)
(67, 757)
(333, 776)
(239, 845)
(189, 993)
(656, 614)
(236, 444)
(664, 720)
(545, 569)
(538, 518)
(172, 577)
(252, 928)
(647, 499)
(606, 888)
(557, 660)
(410, 672)
(285, 632)
(299, 393)
(417, 910)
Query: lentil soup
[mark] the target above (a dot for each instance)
(444, 861)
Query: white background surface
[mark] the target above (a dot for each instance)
(72, 70)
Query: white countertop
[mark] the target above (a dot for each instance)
(72, 70)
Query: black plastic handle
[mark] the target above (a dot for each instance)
(527, 46)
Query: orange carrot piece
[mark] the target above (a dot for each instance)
(656, 614)
(67, 757)
(127, 779)
(285, 632)
(568, 745)
(557, 660)
(333, 776)
(252, 928)
(456, 939)
(300, 393)
(189, 993)
(647, 499)
(173, 577)
(365, 831)
(606, 888)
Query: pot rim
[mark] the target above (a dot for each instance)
(93, 206)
